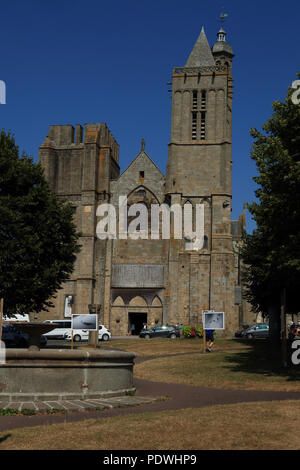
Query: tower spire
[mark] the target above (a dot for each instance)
(201, 54)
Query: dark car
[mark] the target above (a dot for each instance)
(14, 338)
(241, 332)
(161, 332)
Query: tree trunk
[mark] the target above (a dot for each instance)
(274, 324)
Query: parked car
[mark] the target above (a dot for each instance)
(14, 338)
(83, 335)
(161, 332)
(257, 331)
(63, 327)
(241, 332)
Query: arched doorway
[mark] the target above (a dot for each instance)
(137, 315)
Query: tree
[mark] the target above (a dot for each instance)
(272, 252)
(38, 239)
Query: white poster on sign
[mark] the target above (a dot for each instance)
(213, 320)
(85, 322)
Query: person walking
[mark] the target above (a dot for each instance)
(209, 334)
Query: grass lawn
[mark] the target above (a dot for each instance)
(255, 367)
(267, 426)
(166, 346)
(240, 365)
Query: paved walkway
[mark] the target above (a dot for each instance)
(77, 405)
(148, 399)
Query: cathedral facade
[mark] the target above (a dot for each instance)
(156, 281)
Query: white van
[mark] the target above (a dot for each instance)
(63, 327)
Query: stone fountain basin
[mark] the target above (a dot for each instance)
(65, 374)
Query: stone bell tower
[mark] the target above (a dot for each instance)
(199, 171)
(200, 146)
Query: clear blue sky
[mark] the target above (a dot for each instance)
(70, 61)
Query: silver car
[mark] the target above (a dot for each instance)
(257, 331)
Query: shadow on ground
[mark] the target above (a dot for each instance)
(262, 358)
(4, 438)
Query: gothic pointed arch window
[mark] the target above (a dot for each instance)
(143, 196)
(227, 66)
(188, 209)
(141, 193)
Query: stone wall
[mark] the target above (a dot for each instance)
(80, 168)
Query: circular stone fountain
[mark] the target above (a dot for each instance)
(63, 374)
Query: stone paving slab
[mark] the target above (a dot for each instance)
(66, 405)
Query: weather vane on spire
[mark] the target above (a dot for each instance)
(223, 17)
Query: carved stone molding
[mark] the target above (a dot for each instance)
(203, 69)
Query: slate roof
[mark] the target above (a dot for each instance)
(201, 54)
(222, 46)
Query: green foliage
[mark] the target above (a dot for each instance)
(54, 411)
(272, 252)
(13, 412)
(130, 393)
(192, 332)
(38, 240)
(9, 412)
